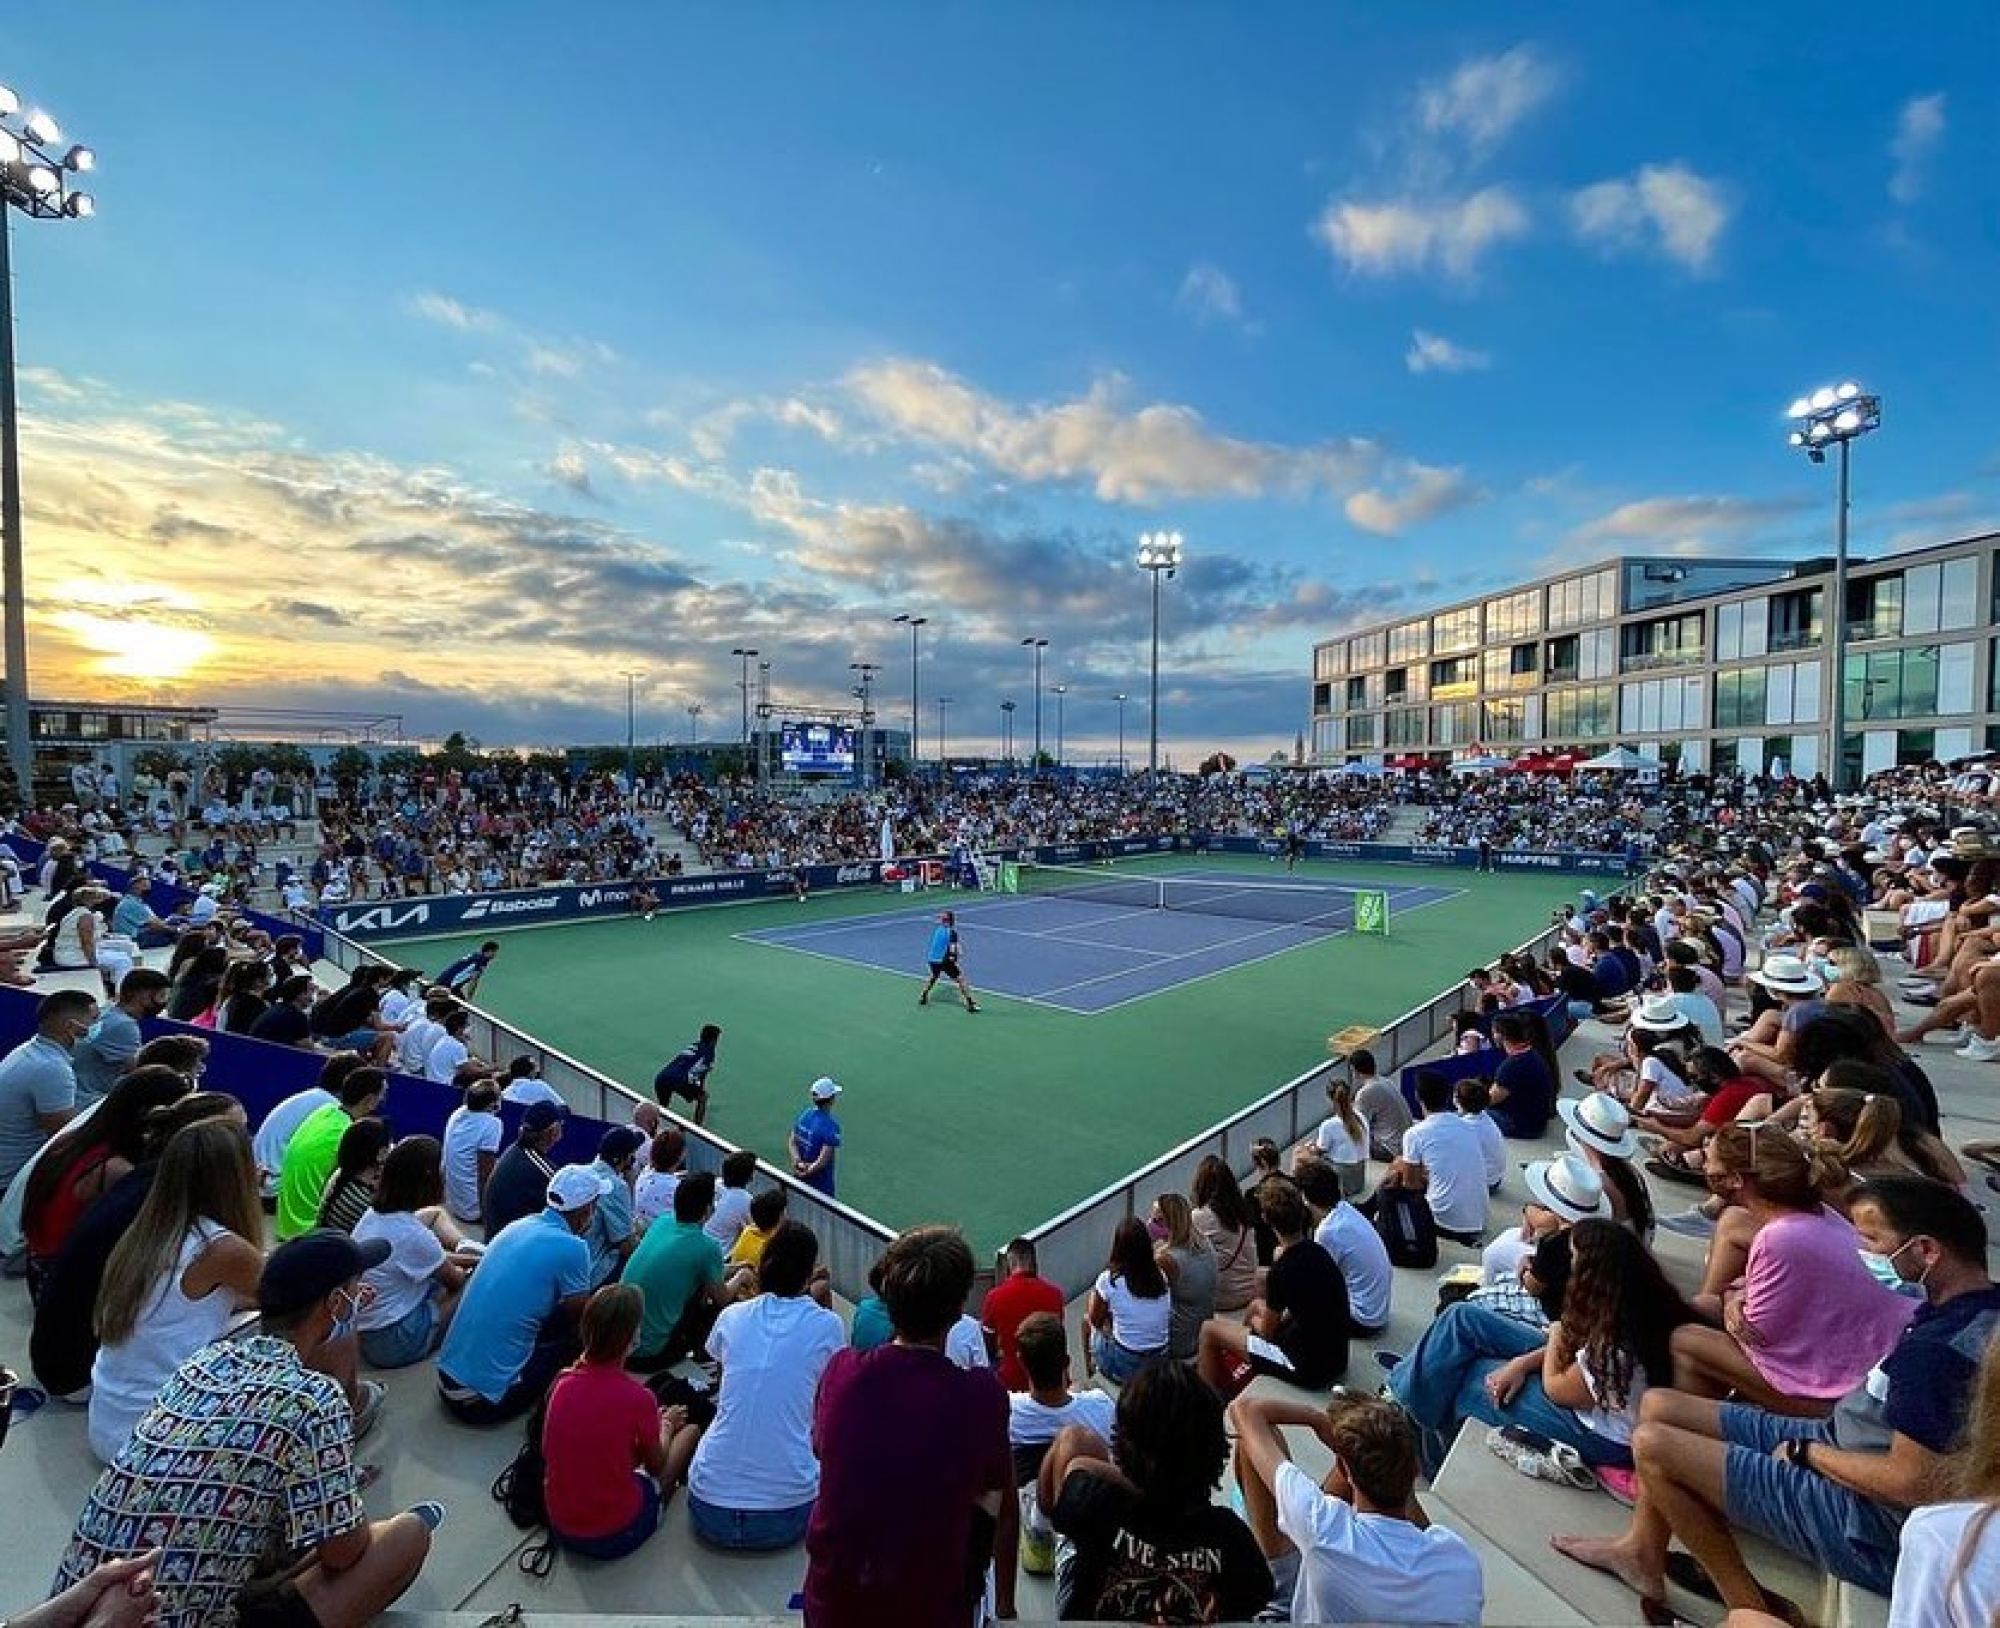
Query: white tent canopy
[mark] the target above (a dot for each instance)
(1620, 760)
(1481, 765)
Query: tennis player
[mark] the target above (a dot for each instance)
(944, 962)
(1295, 848)
(686, 1073)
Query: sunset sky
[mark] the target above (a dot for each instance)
(449, 359)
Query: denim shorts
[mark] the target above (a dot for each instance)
(723, 1528)
(408, 1340)
(617, 1545)
(1801, 1510)
(1119, 1363)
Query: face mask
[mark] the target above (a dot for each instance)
(1889, 1261)
(343, 1324)
(1827, 971)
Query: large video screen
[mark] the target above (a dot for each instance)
(816, 748)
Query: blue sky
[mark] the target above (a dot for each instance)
(450, 359)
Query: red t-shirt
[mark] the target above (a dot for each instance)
(908, 1442)
(599, 1418)
(1009, 1303)
(1729, 1098)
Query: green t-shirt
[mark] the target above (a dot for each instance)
(309, 1159)
(669, 1266)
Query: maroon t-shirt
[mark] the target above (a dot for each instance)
(1011, 1301)
(1730, 1097)
(908, 1442)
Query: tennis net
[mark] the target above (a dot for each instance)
(1324, 906)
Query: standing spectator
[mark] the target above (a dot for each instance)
(613, 1455)
(1223, 1215)
(519, 1185)
(916, 1480)
(107, 1050)
(1380, 1105)
(310, 1155)
(516, 1325)
(1021, 1292)
(248, 1452)
(415, 1291)
(1357, 1547)
(472, 1133)
(1150, 1544)
(1299, 1331)
(732, 1198)
(357, 1167)
(1184, 1257)
(1128, 1315)
(816, 1138)
(38, 1079)
(754, 1476)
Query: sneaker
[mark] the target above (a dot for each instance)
(1691, 1224)
(430, 1512)
(970, 1007)
(1980, 1050)
(368, 1407)
(1623, 1485)
(923, 1000)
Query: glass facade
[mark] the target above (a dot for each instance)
(1795, 620)
(1514, 616)
(1592, 598)
(1582, 714)
(1892, 684)
(1410, 642)
(1453, 631)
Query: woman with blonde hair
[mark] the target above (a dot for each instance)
(1807, 1320)
(187, 1266)
(1854, 978)
(1189, 1265)
(1864, 1124)
(1948, 1568)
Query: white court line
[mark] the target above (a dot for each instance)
(1063, 934)
(986, 992)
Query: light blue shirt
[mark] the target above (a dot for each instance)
(610, 1224)
(940, 944)
(36, 1078)
(532, 1267)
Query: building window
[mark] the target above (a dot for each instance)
(1892, 684)
(1456, 725)
(1410, 642)
(1514, 616)
(1592, 598)
(1504, 720)
(1582, 714)
(1322, 698)
(1329, 660)
(1404, 726)
(1563, 657)
(1454, 677)
(1361, 730)
(1357, 694)
(1396, 684)
(1795, 620)
(1740, 697)
(1666, 641)
(1364, 653)
(1875, 607)
(1455, 630)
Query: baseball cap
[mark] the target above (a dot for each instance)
(575, 1186)
(315, 1264)
(825, 1088)
(541, 1115)
(620, 1142)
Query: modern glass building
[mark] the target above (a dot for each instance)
(1710, 663)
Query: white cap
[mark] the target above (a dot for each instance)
(574, 1187)
(825, 1088)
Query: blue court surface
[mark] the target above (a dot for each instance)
(1088, 954)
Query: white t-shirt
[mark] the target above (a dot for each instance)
(731, 1216)
(653, 1195)
(1336, 1146)
(1932, 1539)
(966, 1343)
(399, 1007)
(1136, 1324)
(1492, 1147)
(467, 1134)
(401, 1282)
(275, 1134)
(1373, 1568)
(445, 1056)
(1032, 1424)
(1670, 1091)
(1500, 1261)
(1357, 1249)
(415, 1047)
(758, 1454)
(529, 1089)
(1448, 1149)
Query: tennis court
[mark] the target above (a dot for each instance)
(1000, 1120)
(1086, 941)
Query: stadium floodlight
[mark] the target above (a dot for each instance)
(864, 672)
(1837, 415)
(32, 181)
(943, 701)
(1159, 555)
(1038, 646)
(905, 619)
(1121, 698)
(744, 653)
(1007, 733)
(1061, 690)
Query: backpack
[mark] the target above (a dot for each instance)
(1408, 1230)
(520, 1490)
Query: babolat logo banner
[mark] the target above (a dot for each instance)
(505, 904)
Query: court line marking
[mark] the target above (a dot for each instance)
(861, 923)
(855, 964)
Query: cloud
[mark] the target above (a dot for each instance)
(450, 313)
(1124, 455)
(712, 434)
(1423, 493)
(1481, 101)
(1663, 208)
(1433, 353)
(570, 468)
(1687, 525)
(1919, 130)
(568, 359)
(1210, 294)
(1413, 234)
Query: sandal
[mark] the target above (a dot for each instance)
(1676, 1173)
(1684, 1571)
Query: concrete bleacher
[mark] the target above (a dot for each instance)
(46, 1472)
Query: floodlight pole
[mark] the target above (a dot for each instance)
(631, 757)
(1159, 555)
(20, 748)
(1121, 699)
(943, 701)
(1038, 646)
(1061, 690)
(913, 623)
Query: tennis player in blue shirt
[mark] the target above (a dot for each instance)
(944, 962)
(816, 1138)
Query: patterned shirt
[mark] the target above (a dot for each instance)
(247, 1454)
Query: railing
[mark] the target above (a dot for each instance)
(849, 1241)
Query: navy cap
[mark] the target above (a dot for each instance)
(541, 1115)
(620, 1142)
(308, 1267)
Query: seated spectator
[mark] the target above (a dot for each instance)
(1357, 1546)
(314, 1147)
(732, 1198)
(1442, 1160)
(1948, 1560)
(1856, 1115)
(286, 1020)
(1808, 1320)
(916, 1482)
(471, 1149)
(113, 1041)
(419, 1034)
(516, 1324)
(1223, 1215)
(1143, 1526)
(1696, 1006)
(519, 1184)
(1020, 1293)
(357, 1167)
(1598, 1129)
(1659, 1090)
(349, 1019)
(523, 1084)
(1380, 1105)
(178, 1278)
(1534, 1294)
(1342, 1139)
(613, 1455)
(1837, 1490)
(1579, 1383)
(38, 1080)
(1130, 1309)
(1040, 1412)
(1299, 1331)
(1562, 1191)
(871, 1326)
(1524, 1089)
(287, 1476)
(1350, 1238)
(1768, 1048)
(1189, 1267)
(241, 1000)
(414, 1293)
(1266, 1165)
(1473, 1100)
(1726, 1093)
(611, 1236)
(449, 1053)
(767, 1214)
(653, 1192)
(679, 1268)
(754, 1477)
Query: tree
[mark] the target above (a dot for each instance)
(401, 760)
(459, 752)
(352, 768)
(160, 761)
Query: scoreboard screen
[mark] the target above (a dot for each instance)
(816, 748)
